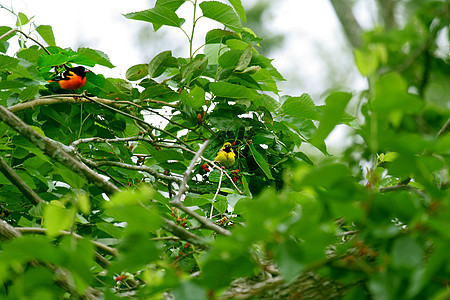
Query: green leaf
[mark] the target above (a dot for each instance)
(366, 61)
(46, 32)
(239, 9)
(262, 163)
(28, 93)
(8, 63)
(97, 56)
(111, 229)
(229, 90)
(245, 58)
(57, 218)
(189, 290)
(407, 253)
(53, 60)
(196, 67)
(137, 72)
(73, 179)
(331, 115)
(22, 19)
(300, 107)
(219, 36)
(158, 16)
(221, 13)
(391, 95)
(195, 98)
(159, 63)
(173, 5)
(83, 203)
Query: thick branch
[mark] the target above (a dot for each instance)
(55, 99)
(53, 149)
(352, 29)
(387, 10)
(187, 173)
(19, 183)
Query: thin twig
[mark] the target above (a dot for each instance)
(137, 119)
(27, 36)
(215, 195)
(444, 128)
(399, 188)
(144, 168)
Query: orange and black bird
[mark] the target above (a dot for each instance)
(71, 78)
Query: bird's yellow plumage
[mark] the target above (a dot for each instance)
(226, 156)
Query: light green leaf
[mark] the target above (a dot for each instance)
(239, 9)
(57, 218)
(195, 98)
(22, 19)
(83, 203)
(221, 13)
(331, 114)
(366, 61)
(46, 32)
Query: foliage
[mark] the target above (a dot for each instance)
(374, 222)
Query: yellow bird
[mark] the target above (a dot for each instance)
(226, 156)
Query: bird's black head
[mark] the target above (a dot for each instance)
(227, 148)
(80, 71)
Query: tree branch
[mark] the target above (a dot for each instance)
(19, 183)
(182, 233)
(54, 150)
(56, 99)
(352, 29)
(182, 190)
(387, 10)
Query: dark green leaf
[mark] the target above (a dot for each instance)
(97, 56)
(262, 163)
(300, 107)
(229, 90)
(158, 16)
(219, 36)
